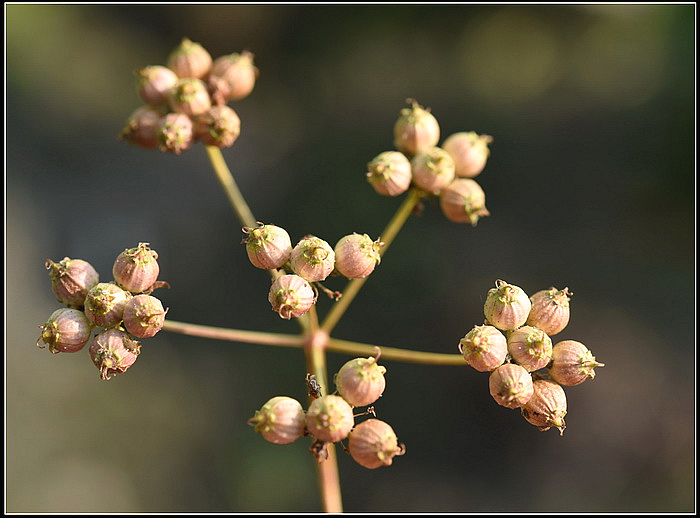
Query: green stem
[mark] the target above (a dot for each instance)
(395, 353)
(233, 335)
(234, 195)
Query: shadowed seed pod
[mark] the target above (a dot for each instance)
(232, 77)
(373, 444)
(511, 385)
(572, 363)
(291, 296)
(356, 255)
(416, 130)
(105, 303)
(507, 306)
(312, 258)
(280, 421)
(469, 151)
(463, 201)
(389, 173)
(329, 418)
(136, 269)
(361, 381)
(530, 348)
(142, 127)
(550, 310)
(218, 126)
(189, 59)
(144, 316)
(71, 279)
(268, 246)
(547, 406)
(66, 331)
(189, 96)
(433, 170)
(484, 348)
(175, 133)
(113, 352)
(154, 84)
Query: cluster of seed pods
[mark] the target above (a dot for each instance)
(119, 311)
(527, 372)
(312, 260)
(446, 171)
(186, 100)
(372, 443)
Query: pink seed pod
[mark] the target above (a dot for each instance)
(175, 133)
(189, 96)
(105, 303)
(469, 151)
(361, 381)
(232, 77)
(113, 352)
(507, 306)
(291, 296)
(547, 406)
(433, 170)
(154, 84)
(463, 201)
(268, 246)
(389, 173)
(530, 348)
(71, 279)
(416, 130)
(572, 363)
(142, 127)
(329, 418)
(280, 421)
(511, 385)
(312, 258)
(356, 255)
(484, 348)
(136, 269)
(144, 316)
(189, 59)
(66, 331)
(550, 310)
(218, 126)
(373, 444)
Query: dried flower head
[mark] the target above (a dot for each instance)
(175, 133)
(155, 83)
(416, 130)
(361, 381)
(463, 201)
(373, 444)
(389, 173)
(546, 407)
(189, 96)
(218, 126)
(550, 310)
(113, 352)
(469, 151)
(144, 316)
(105, 303)
(280, 421)
(356, 255)
(232, 77)
(71, 279)
(530, 348)
(484, 348)
(268, 246)
(312, 258)
(572, 363)
(189, 59)
(136, 269)
(291, 296)
(142, 127)
(511, 385)
(66, 331)
(433, 170)
(329, 418)
(507, 306)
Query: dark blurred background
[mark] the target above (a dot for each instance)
(590, 185)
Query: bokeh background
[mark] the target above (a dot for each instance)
(590, 184)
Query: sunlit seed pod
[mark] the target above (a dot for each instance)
(268, 246)
(219, 126)
(550, 310)
(416, 130)
(232, 77)
(291, 296)
(507, 306)
(312, 258)
(189, 59)
(66, 331)
(189, 96)
(142, 127)
(389, 173)
(546, 407)
(572, 363)
(175, 133)
(113, 352)
(280, 421)
(511, 385)
(144, 316)
(373, 444)
(484, 348)
(329, 418)
(356, 255)
(433, 170)
(361, 381)
(463, 201)
(154, 84)
(71, 280)
(530, 348)
(105, 303)
(136, 269)
(469, 151)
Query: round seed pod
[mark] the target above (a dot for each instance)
(329, 418)
(268, 246)
(66, 331)
(113, 352)
(136, 269)
(312, 259)
(189, 96)
(433, 170)
(484, 348)
(389, 173)
(280, 421)
(463, 201)
(550, 310)
(71, 279)
(154, 84)
(572, 363)
(189, 59)
(511, 385)
(361, 381)
(105, 303)
(469, 151)
(507, 306)
(144, 316)
(232, 77)
(373, 444)
(291, 296)
(356, 255)
(175, 133)
(218, 126)
(546, 407)
(142, 127)
(416, 130)
(530, 348)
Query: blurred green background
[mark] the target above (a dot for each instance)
(590, 185)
